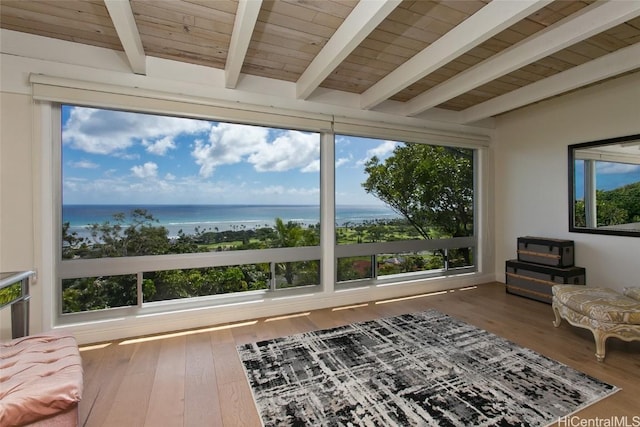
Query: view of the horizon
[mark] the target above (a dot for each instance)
(116, 157)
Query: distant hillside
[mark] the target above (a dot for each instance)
(624, 200)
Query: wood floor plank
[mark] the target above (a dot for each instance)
(132, 399)
(166, 401)
(102, 382)
(121, 382)
(201, 398)
(239, 409)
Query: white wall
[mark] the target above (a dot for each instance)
(17, 173)
(531, 189)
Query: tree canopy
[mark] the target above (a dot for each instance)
(431, 186)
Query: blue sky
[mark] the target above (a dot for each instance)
(609, 176)
(114, 157)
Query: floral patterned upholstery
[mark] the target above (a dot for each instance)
(632, 292)
(599, 304)
(605, 312)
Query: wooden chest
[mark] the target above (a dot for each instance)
(552, 252)
(535, 281)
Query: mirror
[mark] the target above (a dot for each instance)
(604, 186)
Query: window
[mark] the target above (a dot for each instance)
(162, 212)
(405, 192)
(137, 185)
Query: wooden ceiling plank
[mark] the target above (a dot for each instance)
(289, 33)
(279, 42)
(43, 20)
(363, 19)
(215, 11)
(83, 7)
(155, 27)
(62, 33)
(122, 17)
(582, 25)
(298, 24)
(245, 22)
(146, 11)
(285, 53)
(227, 6)
(341, 8)
(61, 10)
(465, 6)
(613, 64)
(482, 25)
(390, 40)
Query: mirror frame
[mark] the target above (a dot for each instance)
(571, 150)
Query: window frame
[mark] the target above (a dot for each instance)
(327, 249)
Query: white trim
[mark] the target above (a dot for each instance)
(129, 326)
(327, 211)
(81, 92)
(245, 22)
(46, 277)
(125, 25)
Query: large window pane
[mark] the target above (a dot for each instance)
(405, 192)
(191, 283)
(296, 274)
(141, 184)
(98, 293)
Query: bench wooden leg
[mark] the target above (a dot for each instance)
(601, 340)
(558, 318)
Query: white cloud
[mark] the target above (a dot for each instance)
(148, 170)
(290, 150)
(170, 177)
(109, 132)
(83, 164)
(228, 143)
(343, 161)
(611, 168)
(231, 143)
(381, 151)
(160, 147)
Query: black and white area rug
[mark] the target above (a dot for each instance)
(420, 369)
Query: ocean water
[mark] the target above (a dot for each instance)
(220, 217)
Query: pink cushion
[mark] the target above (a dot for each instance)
(40, 376)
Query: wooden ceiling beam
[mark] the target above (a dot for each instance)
(125, 25)
(479, 27)
(611, 65)
(363, 19)
(245, 22)
(587, 22)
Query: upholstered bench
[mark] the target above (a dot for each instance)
(605, 312)
(40, 381)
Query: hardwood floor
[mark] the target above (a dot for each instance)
(196, 378)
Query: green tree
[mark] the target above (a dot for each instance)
(133, 236)
(430, 186)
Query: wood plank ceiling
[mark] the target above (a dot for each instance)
(478, 58)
